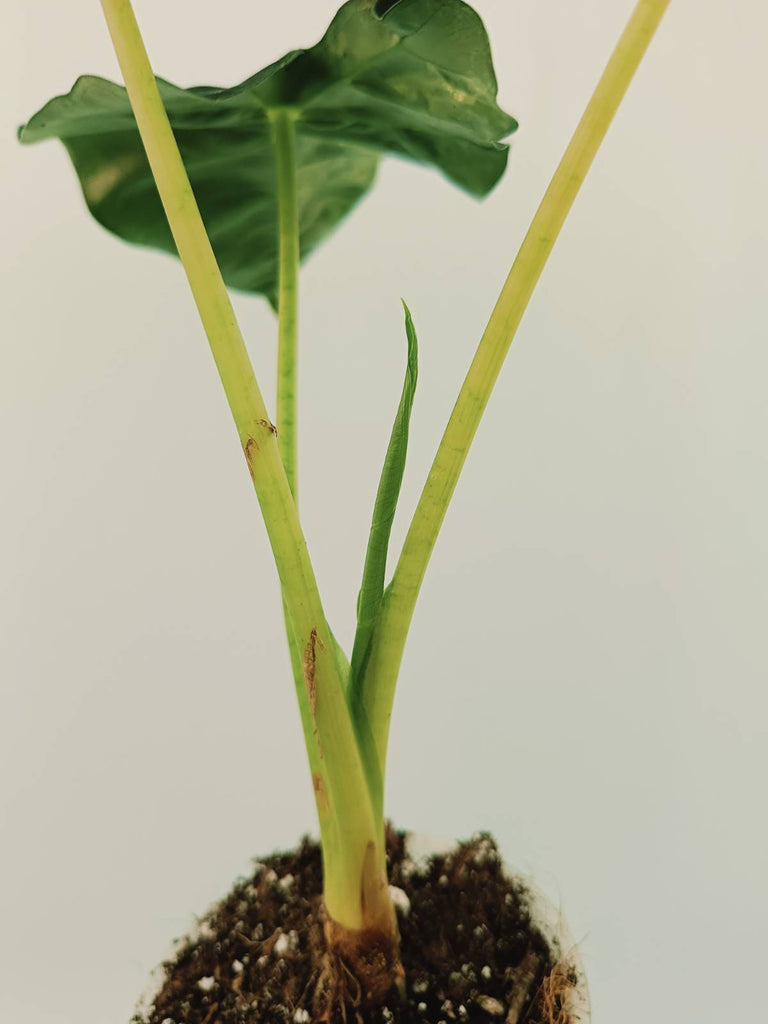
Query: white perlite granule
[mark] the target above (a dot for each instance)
(206, 984)
(400, 900)
(485, 850)
(204, 930)
(408, 869)
(286, 943)
(490, 1005)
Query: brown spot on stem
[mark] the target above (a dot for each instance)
(270, 426)
(321, 796)
(309, 668)
(250, 449)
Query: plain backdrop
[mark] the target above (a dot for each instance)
(587, 671)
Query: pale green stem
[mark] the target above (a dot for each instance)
(288, 289)
(283, 135)
(397, 609)
(349, 828)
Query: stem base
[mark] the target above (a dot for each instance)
(364, 965)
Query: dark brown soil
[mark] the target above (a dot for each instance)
(469, 949)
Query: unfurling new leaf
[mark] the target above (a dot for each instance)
(372, 587)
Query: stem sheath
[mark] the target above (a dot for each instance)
(400, 599)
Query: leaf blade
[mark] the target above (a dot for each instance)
(416, 82)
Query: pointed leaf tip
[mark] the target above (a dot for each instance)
(374, 572)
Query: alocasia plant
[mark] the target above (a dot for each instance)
(243, 182)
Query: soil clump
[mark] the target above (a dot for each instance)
(470, 951)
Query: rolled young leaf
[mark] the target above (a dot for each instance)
(372, 587)
(413, 78)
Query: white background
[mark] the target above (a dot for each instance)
(587, 671)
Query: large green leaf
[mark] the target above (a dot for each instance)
(409, 77)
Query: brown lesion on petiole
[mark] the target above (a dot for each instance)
(321, 795)
(309, 669)
(251, 447)
(250, 450)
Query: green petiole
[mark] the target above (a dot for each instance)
(391, 629)
(284, 135)
(352, 835)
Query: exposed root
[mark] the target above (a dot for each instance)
(359, 969)
(554, 1002)
(525, 975)
(336, 990)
